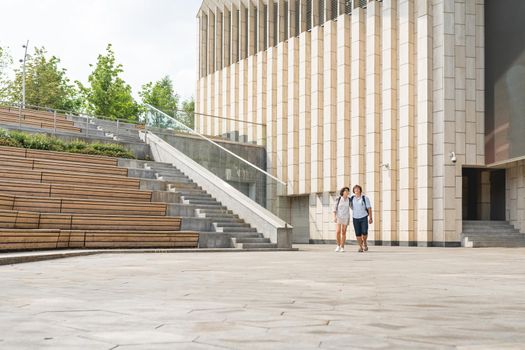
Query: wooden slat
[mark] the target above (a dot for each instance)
(13, 161)
(60, 156)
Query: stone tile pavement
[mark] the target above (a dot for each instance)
(388, 298)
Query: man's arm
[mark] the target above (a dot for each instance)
(370, 220)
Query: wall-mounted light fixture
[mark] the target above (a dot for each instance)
(452, 156)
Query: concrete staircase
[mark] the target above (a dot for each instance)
(107, 128)
(204, 206)
(484, 234)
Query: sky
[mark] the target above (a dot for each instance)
(151, 38)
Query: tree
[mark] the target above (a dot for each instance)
(47, 85)
(188, 106)
(161, 96)
(5, 62)
(108, 95)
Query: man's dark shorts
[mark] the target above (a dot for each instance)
(361, 226)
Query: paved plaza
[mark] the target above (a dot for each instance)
(388, 298)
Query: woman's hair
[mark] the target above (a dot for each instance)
(343, 190)
(357, 186)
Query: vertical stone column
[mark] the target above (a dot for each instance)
(424, 122)
(330, 106)
(234, 37)
(271, 111)
(260, 27)
(271, 23)
(234, 99)
(315, 12)
(343, 96)
(262, 73)
(211, 42)
(358, 96)
(243, 25)
(388, 211)
(449, 169)
(219, 42)
(217, 111)
(479, 67)
(293, 116)
(485, 195)
(282, 112)
(305, 107)
(252, 31)
(248, 128)
(438, 123)
(373, 113)
(282, 19)
(406, 134)
(291, 17)
(317, 110)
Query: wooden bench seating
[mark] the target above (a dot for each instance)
(71, 178)
(11, 119)
(32, 117)
(55, 165)
(32, 112)
(77, 206)
(12, 239)
(13, 219)
(36, 189)
(59, 156)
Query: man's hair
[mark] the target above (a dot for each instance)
(357, 186)
(343, 190)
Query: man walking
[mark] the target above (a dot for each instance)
(362, 216)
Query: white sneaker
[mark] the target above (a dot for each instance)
(338, 248)
(342, 249)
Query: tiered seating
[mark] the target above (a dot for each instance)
(60, 200)
(36, 119)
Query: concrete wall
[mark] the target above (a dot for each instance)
(398, 83)
(515, 195)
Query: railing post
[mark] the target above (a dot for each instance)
(54, 122)
(87, 126)
(20, 116)
(117, 129)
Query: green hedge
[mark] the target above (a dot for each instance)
(50, 143)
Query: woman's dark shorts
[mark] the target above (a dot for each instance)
(361, 226)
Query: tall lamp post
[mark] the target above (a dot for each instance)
(24, 75)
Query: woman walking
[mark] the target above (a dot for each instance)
(341, 218)
(361, 215)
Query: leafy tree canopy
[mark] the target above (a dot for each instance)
(46, 83)
(5, 62)
(108, 94)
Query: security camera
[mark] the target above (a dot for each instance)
(453, 158)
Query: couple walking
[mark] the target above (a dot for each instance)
(361, 217)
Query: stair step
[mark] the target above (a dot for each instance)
(258, 245)
(253, 240)
(238, 235)
(231, 224)
(238, 229)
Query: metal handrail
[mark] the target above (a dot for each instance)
(226, 118)
(216, 144)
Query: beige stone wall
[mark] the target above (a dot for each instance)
(380, 98)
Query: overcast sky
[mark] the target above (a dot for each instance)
(151, 38)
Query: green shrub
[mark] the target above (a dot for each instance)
(51, 143)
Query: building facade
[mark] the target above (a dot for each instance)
(387, 94)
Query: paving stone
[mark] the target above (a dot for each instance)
(389, 298)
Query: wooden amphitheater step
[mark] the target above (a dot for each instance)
(14, 162)
(14, 119)
(69, 177)
(36, 189)
(80, 206)
(25, 239)
(13, 219)
(61, 156)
